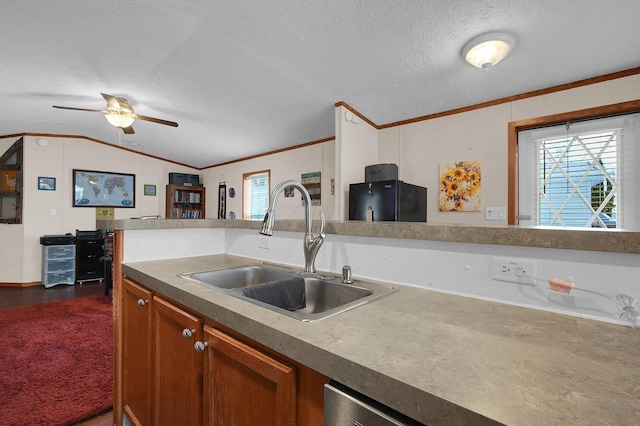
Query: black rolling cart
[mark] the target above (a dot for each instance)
(107, 262)
(89, 256)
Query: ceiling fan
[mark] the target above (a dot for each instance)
(120, 114)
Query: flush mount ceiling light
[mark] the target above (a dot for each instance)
(486, 50)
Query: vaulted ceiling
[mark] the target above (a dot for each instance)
(243, 78)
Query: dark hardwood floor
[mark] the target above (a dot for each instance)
(13, 297)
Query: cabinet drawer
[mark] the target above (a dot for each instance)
(95, 246)
(60, 265)
(60, 277)
(60, 252)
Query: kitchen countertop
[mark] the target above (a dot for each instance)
(610, 240)
(441, 359)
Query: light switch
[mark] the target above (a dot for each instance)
(495, 213)
(52, 212)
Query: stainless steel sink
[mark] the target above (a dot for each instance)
(325, 297)
(237, 277)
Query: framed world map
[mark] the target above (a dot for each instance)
(103, 189)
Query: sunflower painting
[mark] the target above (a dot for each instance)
(460, 186)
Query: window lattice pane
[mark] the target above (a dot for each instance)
(577, 179)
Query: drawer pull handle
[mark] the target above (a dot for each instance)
(142, 302)
(200, 346)
(188, 332)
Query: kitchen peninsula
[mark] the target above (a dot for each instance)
(439, 358)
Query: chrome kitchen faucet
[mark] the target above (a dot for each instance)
(311, 244)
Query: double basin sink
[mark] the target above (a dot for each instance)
(303, 296)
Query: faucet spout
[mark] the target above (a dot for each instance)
(311, 244)
(267, 224)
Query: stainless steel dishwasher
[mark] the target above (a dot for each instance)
(345, 407)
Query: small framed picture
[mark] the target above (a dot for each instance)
(150, 190)
(46, 183)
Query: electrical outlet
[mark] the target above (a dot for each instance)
(495, 213)
(518, 271)
(264, 243)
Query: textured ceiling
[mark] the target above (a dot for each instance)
(243, 78)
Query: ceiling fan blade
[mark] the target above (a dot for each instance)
(157, 120)
(111, 101)
(80, 109)
(128, 130)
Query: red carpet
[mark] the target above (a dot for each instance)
(56, 362)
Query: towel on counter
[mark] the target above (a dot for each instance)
(287, 294)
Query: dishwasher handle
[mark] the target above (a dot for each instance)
(344, 406)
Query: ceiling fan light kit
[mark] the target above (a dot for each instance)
(120, 119)
(486, 50)
(120, 114)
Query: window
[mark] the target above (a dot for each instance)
(572, 175)
(255, 198)
(578, 173)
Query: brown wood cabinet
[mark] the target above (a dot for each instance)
(136, 353)
(180, 368)
(11, 183)
(177, 368)
(185, 202)
(244, 386)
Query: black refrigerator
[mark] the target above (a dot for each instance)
(387, 200)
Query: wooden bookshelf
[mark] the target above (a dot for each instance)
(185, 202)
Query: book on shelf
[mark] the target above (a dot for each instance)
(185, 213)
(187, 196)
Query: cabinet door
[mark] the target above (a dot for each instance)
(136, 353)
(177, 366)
(245, 387)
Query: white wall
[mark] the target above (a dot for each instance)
(342, 159)
(283, 166)
(10, 240)
(172, 243)
(419, 148)
(477, 135)
(22, 260)
(605, 93)
(465, 269)
(456, 268)
(356, 148)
